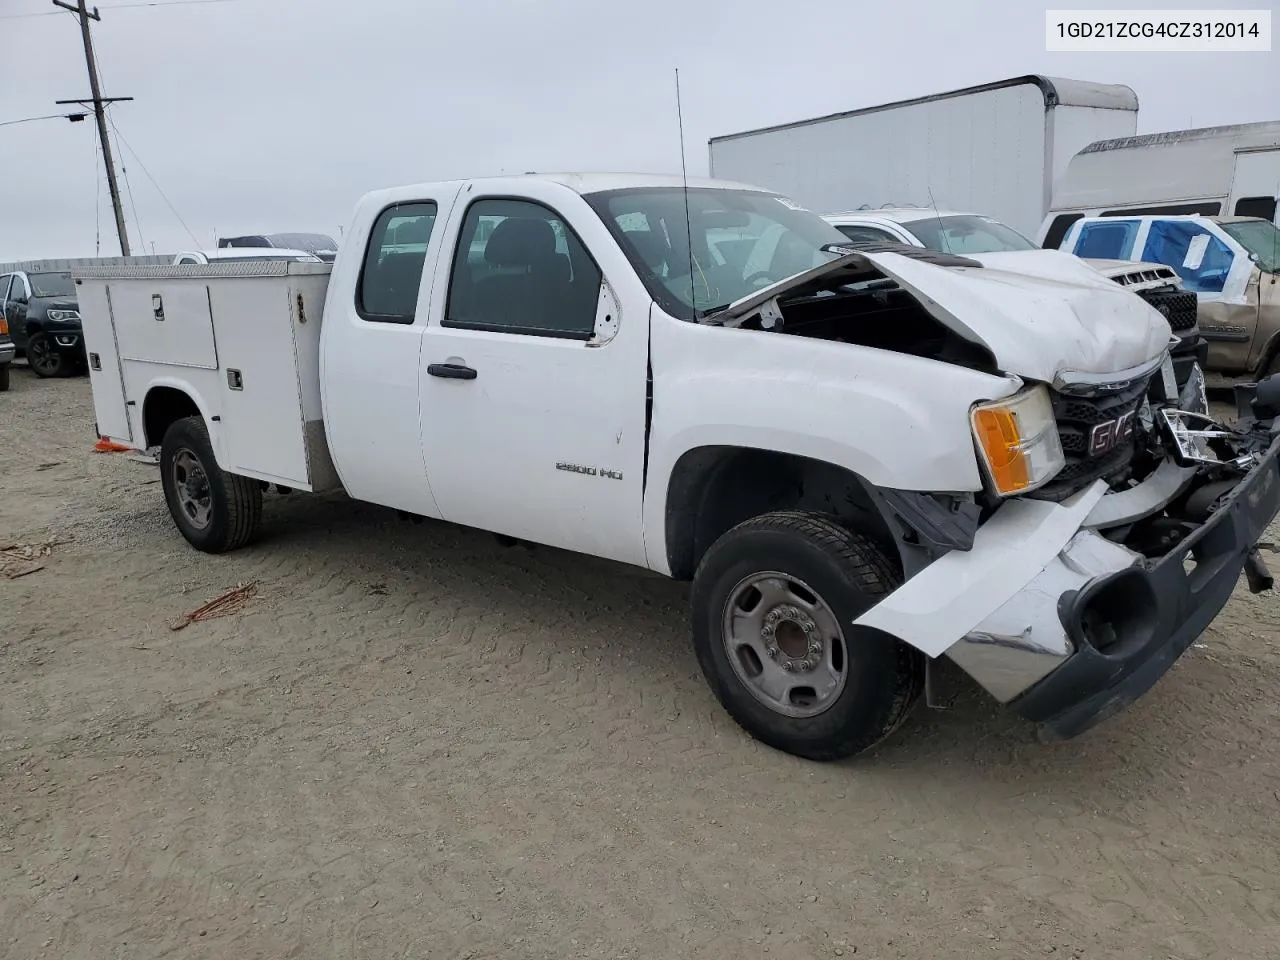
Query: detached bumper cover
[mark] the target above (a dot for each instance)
(1159, 611)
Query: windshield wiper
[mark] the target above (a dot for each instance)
(840, 248)
(711, 311)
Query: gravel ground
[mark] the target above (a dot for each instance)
(417, 743)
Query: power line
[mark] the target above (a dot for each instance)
(73, 117)
(97, 202)
(134, 152)
(124, 172)
(99, 109)
(25, 16)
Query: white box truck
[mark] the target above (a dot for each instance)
(863, 460)
(998, 148)
(1207, 172)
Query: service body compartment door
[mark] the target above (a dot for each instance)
(165, 322)
(263, 426)
(106, 378)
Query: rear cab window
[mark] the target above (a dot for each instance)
(387, 290)
(1111, 240)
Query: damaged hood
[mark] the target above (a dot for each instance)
(1041, 313)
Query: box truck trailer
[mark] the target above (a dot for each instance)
(997, 148)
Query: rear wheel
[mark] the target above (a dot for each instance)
(44, 357)
(214, 510)
(774, 601)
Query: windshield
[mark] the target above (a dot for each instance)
(968, 234)
(1260, 238)
(742, 241)
(52, 285)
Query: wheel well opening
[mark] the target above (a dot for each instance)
(713, 489)
(163, 407)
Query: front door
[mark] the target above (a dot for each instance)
(534, 379)
(371, 345)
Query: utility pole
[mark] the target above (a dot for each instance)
(99, 109)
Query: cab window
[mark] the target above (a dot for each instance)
(1110, 240)
(860, 233)
(519, 268)
(1201, 259)
(387, 291)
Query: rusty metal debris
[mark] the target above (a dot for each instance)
(224, 605)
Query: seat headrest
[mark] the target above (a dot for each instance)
(520, 242)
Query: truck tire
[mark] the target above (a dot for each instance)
(44, 357)
(774, 600)
(216, 511)
(4, 377)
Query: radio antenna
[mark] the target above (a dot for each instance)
(942, 237)
(684, 178)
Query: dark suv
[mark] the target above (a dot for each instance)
(44, 320)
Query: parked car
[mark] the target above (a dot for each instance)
(7, 351)
(1232, 264)
(864, 460)
(44, 320)
(243, 254)
(322, 245)
(970, 234)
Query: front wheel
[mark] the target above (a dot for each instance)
(774, 601)
(44, 357)
(4, 377)
(214, 510)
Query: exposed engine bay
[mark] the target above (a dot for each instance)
(1212, 457)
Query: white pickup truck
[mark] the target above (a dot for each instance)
(864, 461)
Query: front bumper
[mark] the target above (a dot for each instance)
(1128, 627)
(1064, 625)
(7, 351)
(67, 338)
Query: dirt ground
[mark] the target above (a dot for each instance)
(417, 743)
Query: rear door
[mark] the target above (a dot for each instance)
(106, 375)
(374, 320)
(534, 375)
(1256, 185)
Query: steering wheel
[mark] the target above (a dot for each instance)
(755, 278)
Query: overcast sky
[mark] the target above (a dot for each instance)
(275, 115)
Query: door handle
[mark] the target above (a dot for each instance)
(451, 371)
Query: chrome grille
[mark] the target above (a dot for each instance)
(1076, 417)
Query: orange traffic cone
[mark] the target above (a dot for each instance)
(109, 446)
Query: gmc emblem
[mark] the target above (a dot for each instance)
(1109, 435)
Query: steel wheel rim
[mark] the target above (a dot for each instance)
(191, 488)
(41, 356)
(784, 643)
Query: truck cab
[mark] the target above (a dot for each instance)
(1231, 264)
(862, 459)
